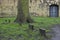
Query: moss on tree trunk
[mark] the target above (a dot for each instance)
(23, 12)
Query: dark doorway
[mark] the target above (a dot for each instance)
(54, 10)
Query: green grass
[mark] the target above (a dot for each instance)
(46, 21)
(15, 31)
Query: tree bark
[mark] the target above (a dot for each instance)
(23, 12)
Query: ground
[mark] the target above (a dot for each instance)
(14, 31)
(56, 30)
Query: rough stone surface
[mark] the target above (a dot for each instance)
(41, 7)
(8, 8)
(36, 7)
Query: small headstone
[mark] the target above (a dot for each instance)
(42, 32)
(31, 26)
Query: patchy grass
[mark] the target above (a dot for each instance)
(14, 31)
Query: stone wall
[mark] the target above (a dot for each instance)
(41, 7)
(8, 8)
(36, 7)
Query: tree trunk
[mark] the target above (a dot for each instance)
(23, 12)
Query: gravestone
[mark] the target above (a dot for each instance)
(31, 26)
(42, 32)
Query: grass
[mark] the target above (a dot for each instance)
(46, 21)
(14, 31)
